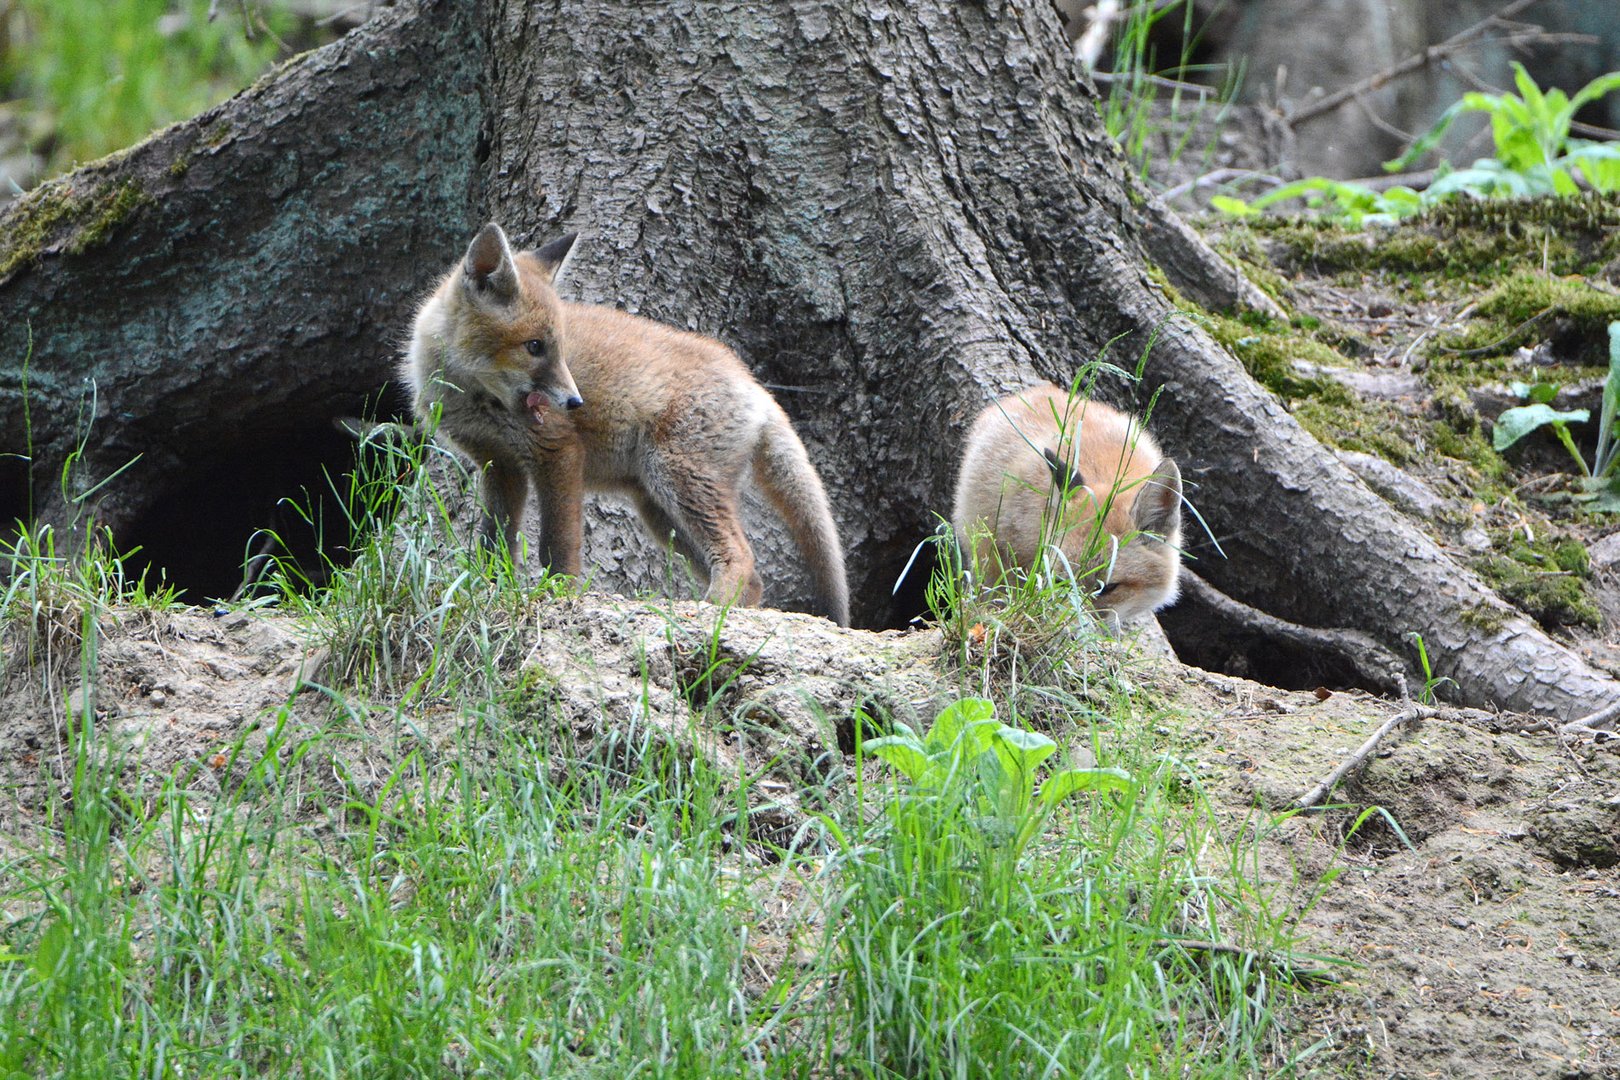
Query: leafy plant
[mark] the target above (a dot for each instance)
(1355, 203)
(1431, 682)
(1531, 132)
(993, 765)
(1535, 156)
(1602, 479)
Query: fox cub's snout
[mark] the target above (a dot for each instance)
(1044, 467)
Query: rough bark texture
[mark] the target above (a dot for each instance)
(207, 300)
(895, 213)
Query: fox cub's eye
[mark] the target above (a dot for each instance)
(535, 346)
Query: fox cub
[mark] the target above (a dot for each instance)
(574, 397)
(1040, 467)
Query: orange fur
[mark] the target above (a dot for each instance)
(673, 421)
(1020, 454)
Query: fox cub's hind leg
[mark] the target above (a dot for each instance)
(664, 530)
(701, 501)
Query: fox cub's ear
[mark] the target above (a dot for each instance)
(553, 257)
(1157, 508)
(1065, 477)
(489, 273)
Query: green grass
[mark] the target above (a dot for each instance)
(344, 895)
(99, 75)
(1147, 104)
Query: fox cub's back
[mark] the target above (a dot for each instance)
(1041, 467)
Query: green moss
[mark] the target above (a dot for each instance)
(1571, 555)
(1485, 617)
(1370, 427)
(1472, 447)
(1269, 351)
(104, 213)
(32, 221)
(1464, 238)
(51, 211)
(1546, 578)
(1529, 305)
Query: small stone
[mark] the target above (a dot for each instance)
(1606, 552)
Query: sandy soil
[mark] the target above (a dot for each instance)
(1484, 935)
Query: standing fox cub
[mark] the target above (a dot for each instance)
(1040, 467)
(575, 397)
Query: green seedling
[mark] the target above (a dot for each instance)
(995, 765)
(1602, 492)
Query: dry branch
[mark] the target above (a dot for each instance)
(1433, 54)
(1315, 796)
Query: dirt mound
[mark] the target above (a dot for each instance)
(1480, 910)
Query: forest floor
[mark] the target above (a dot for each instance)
(1476, 910)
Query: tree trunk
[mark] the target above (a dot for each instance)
(893, 212)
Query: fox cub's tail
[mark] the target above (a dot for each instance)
(783, 471)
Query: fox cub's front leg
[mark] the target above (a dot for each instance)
(559, 486)
(505, 491)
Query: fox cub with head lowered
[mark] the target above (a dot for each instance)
(574, 397)
(1046, 467)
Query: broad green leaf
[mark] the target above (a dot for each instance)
(1529, 92)
(907, 755)
(1030, 746)
(1515, 424)
(954, 719)
(1536, 393)
(998, 788)
(1607, 501)
(1598, 87)
(1019, 752)
(1563, 184)
(1598, 162)
(1069, 781)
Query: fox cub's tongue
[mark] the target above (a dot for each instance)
(534, 403)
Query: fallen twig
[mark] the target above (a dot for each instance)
(1430, 55)
(1315, 796)
(1600, 726)
(1220, 176)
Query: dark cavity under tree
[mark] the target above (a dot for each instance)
(895, 212)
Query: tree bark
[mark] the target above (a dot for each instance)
(894, 212)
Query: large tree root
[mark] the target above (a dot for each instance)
(1215, 631)
(894, 219)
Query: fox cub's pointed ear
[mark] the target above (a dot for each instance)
(1157, 508)
(1065, 477)
(554, 257)
(488, 270)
